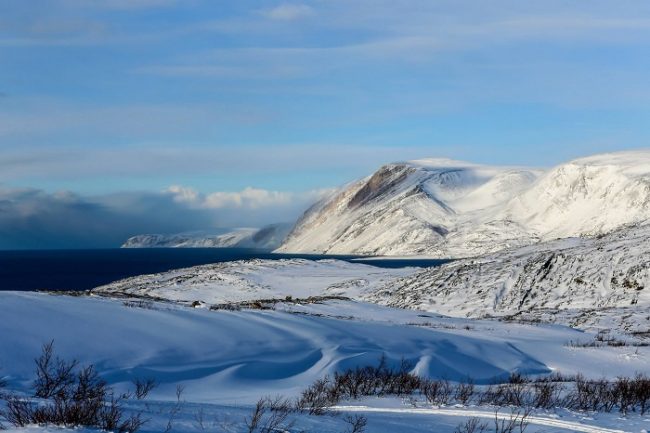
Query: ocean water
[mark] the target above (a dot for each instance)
(85, 269)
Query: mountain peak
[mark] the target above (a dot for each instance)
(446, 208)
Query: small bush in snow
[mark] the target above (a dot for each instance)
(437, 392)
(68, 395)
(472, 425)
(143, 387)
(270, 415)
(357, 423)
(517, 421)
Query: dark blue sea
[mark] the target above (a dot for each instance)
(86, 269)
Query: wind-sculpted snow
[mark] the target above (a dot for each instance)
(235, 356)
(585, 282)
(443, 208)
(226, 360)
(250, 280)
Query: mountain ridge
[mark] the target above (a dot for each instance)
(445, 208)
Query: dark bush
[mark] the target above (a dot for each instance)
(472, 425)
(270, 415)
(143, 387)
(437, 392)
(575, 392)
(547, 393)
(357, 423)
(464, 392)
(68, 395)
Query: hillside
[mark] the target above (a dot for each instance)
(601, 281)
(444, 208)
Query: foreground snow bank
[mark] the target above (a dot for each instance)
(238, 356)
(226, 360)
(384, 416)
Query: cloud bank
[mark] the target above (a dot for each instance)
(33, 219)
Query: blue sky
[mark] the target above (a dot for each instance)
(253, 108)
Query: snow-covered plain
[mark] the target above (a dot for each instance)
(561, 282)
(226, 360)
(444, 208)
(250, 280)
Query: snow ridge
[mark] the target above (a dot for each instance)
(445, 208)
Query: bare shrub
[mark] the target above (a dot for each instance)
(547, 393)
(357, 423)
(516, 421)
(591, 395)
(515, 392)
(642, 391)
(472, 425)
(53, 375)
(437, 392)
(464, 392)
(318, 397)
(143, 387)
(71, 396)
(199, 418)
(572, 392)
(359, 382)
(175, 410)
(623, 392)
(270, 415)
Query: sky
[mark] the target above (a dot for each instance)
(120, 117)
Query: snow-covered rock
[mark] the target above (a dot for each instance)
(268, 238)
(445, 208)
(585, 282)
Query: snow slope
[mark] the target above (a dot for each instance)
(268, 238)
(249, 280)
(445, 208)
(226, 360)
(586, 282)
(252, 353)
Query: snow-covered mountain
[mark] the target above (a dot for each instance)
(268, 238)
(585, 282)
(445, 208)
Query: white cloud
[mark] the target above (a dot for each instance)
(249, 198)
(288, 12)
(33, 218)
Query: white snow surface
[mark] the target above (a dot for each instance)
(587, 283)
(250, 280)
(445, 208)
(590, 283)
(226, 360)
